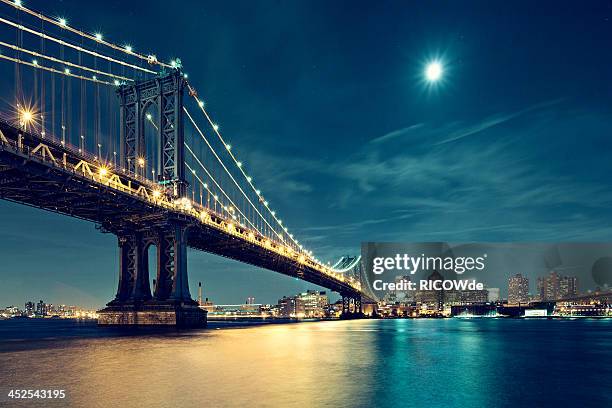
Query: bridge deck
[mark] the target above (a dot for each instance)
(47, 174)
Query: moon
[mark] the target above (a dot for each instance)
(433, 71)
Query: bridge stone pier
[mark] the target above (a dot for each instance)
(170, 303)
(351, 307)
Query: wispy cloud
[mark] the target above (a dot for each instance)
(397, 133)
(495, 120)
(414, 183)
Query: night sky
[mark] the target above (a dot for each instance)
(327, 104)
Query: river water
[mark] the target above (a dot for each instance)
(359, 363)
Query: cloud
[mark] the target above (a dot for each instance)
(495, 120)
(397, 133)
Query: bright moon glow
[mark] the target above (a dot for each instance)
(433, 72)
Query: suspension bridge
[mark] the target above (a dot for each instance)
(101, 132)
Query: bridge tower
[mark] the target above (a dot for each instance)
(164, 95)
(170, 303)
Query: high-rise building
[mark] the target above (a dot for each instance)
(494, 295)
(518, 289)
(432, 298)
(41, 308)
(555, 286)
(568, 286)
(30, 308)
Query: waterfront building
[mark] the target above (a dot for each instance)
(292, 306)
(555, 286)
(494, 295)
(518, 289)
(30, 308)
(432, 299)
(41, 308)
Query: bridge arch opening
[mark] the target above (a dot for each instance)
(151, 256)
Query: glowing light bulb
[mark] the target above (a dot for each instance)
(149, 116)
(141, 162)
(201, 103)
(98, 36)
(128, 48)
(35, 62)
(216, 127)
(103, 171)
(63, 22)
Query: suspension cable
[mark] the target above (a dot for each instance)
(237, 162)
(63, 62)
(76, 47)
(98, 39)
(228, 172)
(217, 184)
(56, 71)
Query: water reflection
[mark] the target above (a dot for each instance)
(347, 363)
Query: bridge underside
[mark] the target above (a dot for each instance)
(53, 184)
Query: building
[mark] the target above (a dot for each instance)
(494, 295)
(403, 296)
(291, 307)
(41, 308)
(518, 289)
(30, 308)
(312, 304)
(568, 286)
(474, 296)
(315, 303)
(433, 299)
(555, 286)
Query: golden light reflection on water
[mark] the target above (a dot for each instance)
(280, 365)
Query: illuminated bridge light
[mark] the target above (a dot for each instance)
(63, 22)
(98, 36)
(26, 117)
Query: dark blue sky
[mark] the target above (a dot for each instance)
(326, 102)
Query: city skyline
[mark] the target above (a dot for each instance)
(398, 171)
